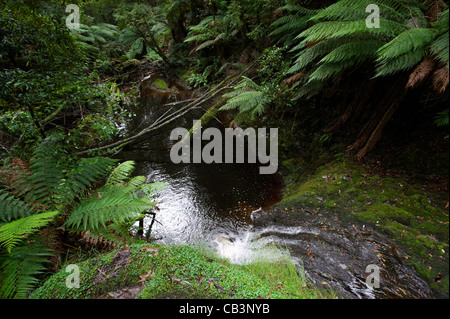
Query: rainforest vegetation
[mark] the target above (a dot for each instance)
(355, 87)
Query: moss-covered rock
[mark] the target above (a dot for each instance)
(150, 271)
(416, 219)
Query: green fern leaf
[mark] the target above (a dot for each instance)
(120, 173)
(20, 268)
(12, 233)
(407, 41)
(12, 208)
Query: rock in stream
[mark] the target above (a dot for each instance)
(337, 255)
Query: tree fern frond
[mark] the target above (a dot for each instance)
(41, 187)
(336, 29)
(136, 48)
(152, 188)
(357, 51)
(442, 118)
(401, 63)
(82, 176)
(12, 233)
(440, 48)
(244, 101)
(137, 181)
(407, 41)
(12, 208)
(21, 267)
(205, 44)
(94, 213)
(311, 54)
(120, 173)
(128, 36)
(440, 45)
(328, 70)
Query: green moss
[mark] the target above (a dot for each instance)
(178, 272)
(410, 215)
(160, 84)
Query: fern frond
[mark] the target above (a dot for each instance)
(12, 208)
(12, 233)
(401, 63)
(336, 29)
(152, 188)
(41, 187)
(352, 10)
(311, 54)
(95, 212)
(136, 48)
(356, 51)
(442, 118)
(440, 46)
(82, 176)
(120, 173)
(205, 44)
(20, 268)
(328, 70)
(407, 41)
(128, 36)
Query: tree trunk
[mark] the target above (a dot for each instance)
(355, 106)
(372, 131)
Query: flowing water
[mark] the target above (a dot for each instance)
(228, 206)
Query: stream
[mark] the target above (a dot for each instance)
(230, 208)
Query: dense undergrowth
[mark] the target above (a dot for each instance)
(314, 69)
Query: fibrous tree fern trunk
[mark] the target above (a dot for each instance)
(371, 132)
(355, 106)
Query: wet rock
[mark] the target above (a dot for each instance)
(337, 255)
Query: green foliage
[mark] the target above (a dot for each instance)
(12, 233)
(248, 97)
(143, 29)
(292, 23)
(94, 38)
(52, 188)
(12, 208)
(340, 40)
(117, 201)
(440, 45)
(19, 269)
(442, 119)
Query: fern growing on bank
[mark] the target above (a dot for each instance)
(52, 190)
(249, 98)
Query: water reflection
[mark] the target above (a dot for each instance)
(201, 200)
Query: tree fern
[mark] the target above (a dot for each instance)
(93, 37)
(81, 177)
(440, 45)
(120, 173)
(67, 189)
(41, 187)
(249, 98)
(288, 26)
(339, 39)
